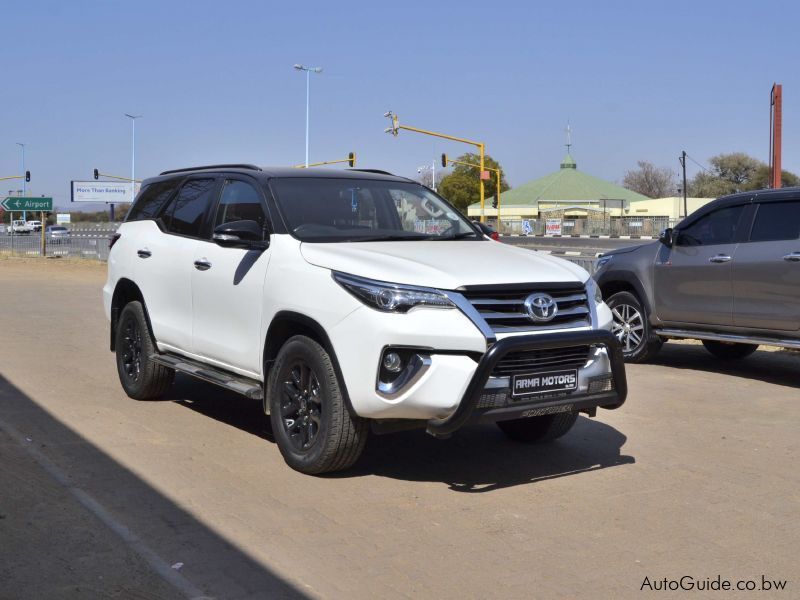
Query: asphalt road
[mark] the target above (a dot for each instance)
(102, 496)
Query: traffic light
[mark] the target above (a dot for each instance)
(494, 202)
(351, 159)
(27, 175)
(444, 160)
(96, 174)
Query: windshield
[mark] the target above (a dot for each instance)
(364, 210)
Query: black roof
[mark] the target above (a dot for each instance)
(282, 172)
(765, 195)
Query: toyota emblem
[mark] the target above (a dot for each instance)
(541, 307)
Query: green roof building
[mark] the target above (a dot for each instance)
(566, 192)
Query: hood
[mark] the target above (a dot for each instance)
(629, 249)
(442, 264)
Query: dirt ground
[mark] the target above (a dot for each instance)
(102, 496)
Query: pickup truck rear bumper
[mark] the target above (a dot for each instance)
(471, 408)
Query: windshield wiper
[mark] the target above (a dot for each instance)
(457, 236)
(392, 238)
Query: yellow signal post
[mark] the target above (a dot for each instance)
(395, 128)
(97, 175)
(497, 173)
(350, 160)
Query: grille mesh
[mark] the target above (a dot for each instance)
(544, 359)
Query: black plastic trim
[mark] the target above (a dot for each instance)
(464, 412)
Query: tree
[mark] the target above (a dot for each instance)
(729, 173)
(762, 178)
(462, 186)
(426, 177)
(650, 180)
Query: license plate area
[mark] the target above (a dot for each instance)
(546, 382)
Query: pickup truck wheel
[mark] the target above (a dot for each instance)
(538, 429)
(632, 328)
(313, 427)
(141, 378)
(729, 350)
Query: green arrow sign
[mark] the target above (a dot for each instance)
(18, 203)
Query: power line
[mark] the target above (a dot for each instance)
(698, 164)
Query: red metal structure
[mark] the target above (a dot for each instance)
(776, 125)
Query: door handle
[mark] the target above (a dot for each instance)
(144, 253)
(719, 258)
(202, 265)
(792, 257)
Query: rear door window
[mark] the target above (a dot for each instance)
(186, 212)
(776, 221)
(152, 199)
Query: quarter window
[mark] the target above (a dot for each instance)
(718, 227)
(151, 200)
(776, 221)
(184, 215)
(240, 201)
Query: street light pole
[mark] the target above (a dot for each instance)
(308, 71)
(133, 158)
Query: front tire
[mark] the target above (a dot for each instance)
(729, 350)
(313, 427)
(632, 328)
(141, 378)
(538, 430)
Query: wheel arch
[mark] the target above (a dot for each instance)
(614, 283)
(124, 292)
(286, 324)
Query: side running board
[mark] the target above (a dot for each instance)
(241, 385)
(726, 337)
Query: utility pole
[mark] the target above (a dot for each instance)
(24, 187)
(133, 159)
(775, 134)
(682, 159)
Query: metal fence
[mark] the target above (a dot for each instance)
(615, 226)
(92, 248)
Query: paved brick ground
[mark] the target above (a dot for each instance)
(695, 475)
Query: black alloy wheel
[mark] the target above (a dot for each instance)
(131, 349)
(301, 406)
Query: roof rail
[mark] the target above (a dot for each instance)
(206, 167)
(378, 171)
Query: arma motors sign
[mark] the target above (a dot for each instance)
(23, 203)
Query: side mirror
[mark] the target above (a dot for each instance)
(666, 237)
(240, 234)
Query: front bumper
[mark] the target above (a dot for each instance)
(471, 408)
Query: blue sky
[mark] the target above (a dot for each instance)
(215, 83)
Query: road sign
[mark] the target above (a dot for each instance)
(485, 175)
(109, 192)
(22, 203)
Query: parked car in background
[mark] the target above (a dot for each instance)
(57, 234)
(487, 230)
(728, 274)
(35, 225)
(20, 227)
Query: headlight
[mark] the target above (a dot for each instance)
(603, 261)
(592, 289)
(391, 297)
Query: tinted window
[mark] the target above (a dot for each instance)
(718, 227)
(240, 201)
(151, 199)
(184, 215)
(776, 221)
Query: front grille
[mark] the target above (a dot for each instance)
(545, 359)
(502, 306)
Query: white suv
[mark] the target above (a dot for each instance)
(351, 301)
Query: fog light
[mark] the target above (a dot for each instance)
(392, 362)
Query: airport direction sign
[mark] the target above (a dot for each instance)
(23, 203)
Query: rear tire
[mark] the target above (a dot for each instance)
(729, 351)
(632, 328)
(539, 429)
(312, 424)
(141, 378)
